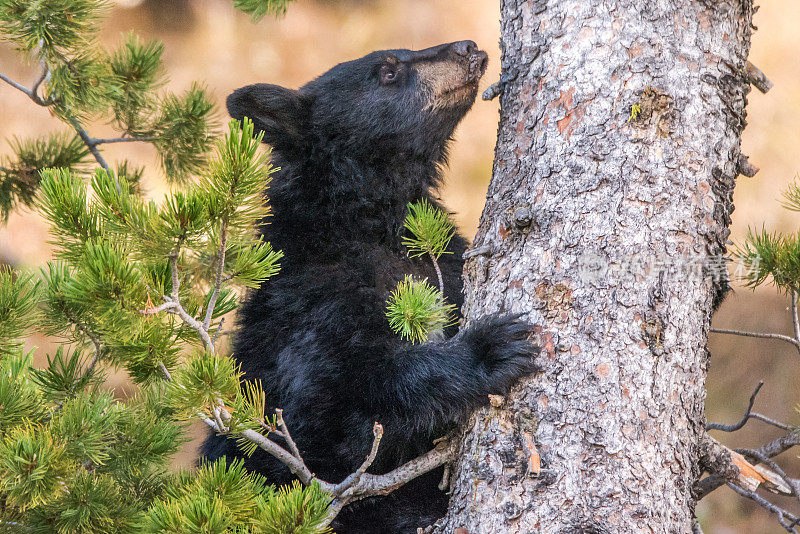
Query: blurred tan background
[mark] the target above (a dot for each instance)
(207, 40)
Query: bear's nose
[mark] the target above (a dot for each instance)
(465, 48)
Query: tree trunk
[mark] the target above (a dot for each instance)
(617, 153)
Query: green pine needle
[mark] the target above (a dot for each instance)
(249, 414)
(772, 256)
(66, 374)
(72, 458)
(82, 86)
(20, 174)
(223, 497)
(251, 265)
(257, 9)
(64, 202)
(87, 424)
(148, 435)
(33, 463)
(415, 309)
(19, 295)
(184, 132)
(430, 228)
(137, 68)
(204, 381)
(52, 26)
(95, 503)
(236, 179)
(142, 355)
(22, 404)
(296, 510)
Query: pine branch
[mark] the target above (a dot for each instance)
(90, 142)
(357, 486)
(219, 331)
(790, 483)
(770, 421)
(98, 349)
(164, 371)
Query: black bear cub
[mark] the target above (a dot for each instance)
(354, 147)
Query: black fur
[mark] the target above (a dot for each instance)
(352, 153)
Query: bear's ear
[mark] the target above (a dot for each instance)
(280, 113)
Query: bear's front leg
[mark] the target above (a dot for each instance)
(424, 389)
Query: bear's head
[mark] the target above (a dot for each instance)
(388, 103)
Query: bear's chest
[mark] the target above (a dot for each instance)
(390, 268)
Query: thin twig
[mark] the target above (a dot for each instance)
(286, 435)
(101, 141)
(165, 371)
(218, 332)
(762, 335)
(158, 309)
(779, 445)
(89, 142)
(38, 83)
(485, 250)
(795, 318)
(98, 350)
(173, 303)
(770, 421)
(16, 85)
(98, 346)
(377, 432)
(438, 272)
(173, 265)
(212, 302)
(295, 465)
(777, 510)
(197, 325)
(44, 75)
(757, 78)
(218, 420)
(745, 418)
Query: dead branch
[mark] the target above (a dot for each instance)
(761, 335)
(786, 519)
(770, 450)
(756, 78)
(745, 418)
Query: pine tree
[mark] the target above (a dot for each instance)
(145, 287)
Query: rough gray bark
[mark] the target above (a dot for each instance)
(619, 143)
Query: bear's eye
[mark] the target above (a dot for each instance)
(388, 74)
